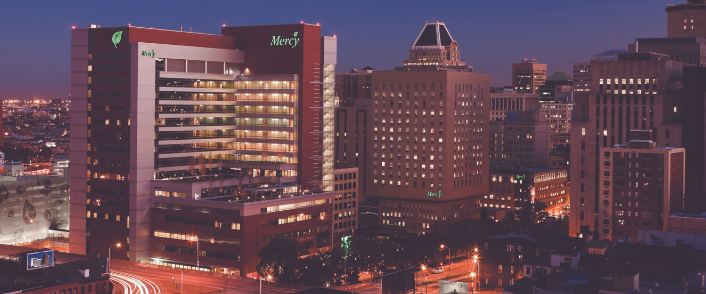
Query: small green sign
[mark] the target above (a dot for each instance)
(116, 38)
(149, 54)
(434, 195)
(520, 177)
(279, 41)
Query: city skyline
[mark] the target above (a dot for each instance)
(556, 41)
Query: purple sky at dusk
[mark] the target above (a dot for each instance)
(35, 35)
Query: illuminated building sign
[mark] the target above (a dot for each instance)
(149, 54)
(116, 38)
(279, 41)
(434, 195)
(520, 177)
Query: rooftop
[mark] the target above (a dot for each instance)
(560, 76)
(702, 215)
(434, 34)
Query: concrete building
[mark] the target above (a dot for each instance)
(686, 20)
(522, 138)
(426, 153)
(642, 185)
(528, 76)
(204, 123)
(675, 238)
(638, 91)
(582, 76)
(351, 135)
(501, 103)
(345, 205)
(353, 85)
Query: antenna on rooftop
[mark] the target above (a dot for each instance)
(615, 54)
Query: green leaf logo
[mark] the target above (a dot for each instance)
(116, 38)
(296, 33)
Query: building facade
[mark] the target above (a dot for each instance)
(501, 103)
(528, 76)
(353, 85)
(345, 205)
(642, 186)
(182, 115)
(582, 76)
(522, 138)
(515, 188)
(686, 20)
(502, 259)
(559, 115)
(638, 91)
(351, 135)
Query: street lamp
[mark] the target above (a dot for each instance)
(269, 278)
(448, 275)
(196, 239)
(424, 269)
(111, 247)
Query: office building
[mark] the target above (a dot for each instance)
(427, 145)
(528, 76)
(515, 188)
(559, 116)
(353, 85)
(501, 103)
(642, 185)
(345, 205)
(351, 126)
(582, 76)
(501, 194)
(197, 121)
(637, 92)
(686, 20)
(523, 138)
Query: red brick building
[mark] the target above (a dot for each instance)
(686, 20)
(427, 149)
(641, 186)
(687, 223)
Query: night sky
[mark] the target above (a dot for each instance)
(35, 35)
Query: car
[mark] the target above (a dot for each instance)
(438, 270)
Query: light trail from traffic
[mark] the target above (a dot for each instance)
(135, 284)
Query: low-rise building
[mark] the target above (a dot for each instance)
(502, 259)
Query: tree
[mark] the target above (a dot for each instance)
(280, 259)
(532, 213)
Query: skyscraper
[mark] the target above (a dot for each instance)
(428, 145)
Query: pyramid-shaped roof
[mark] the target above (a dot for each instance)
(433, 35)
(560, 76)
